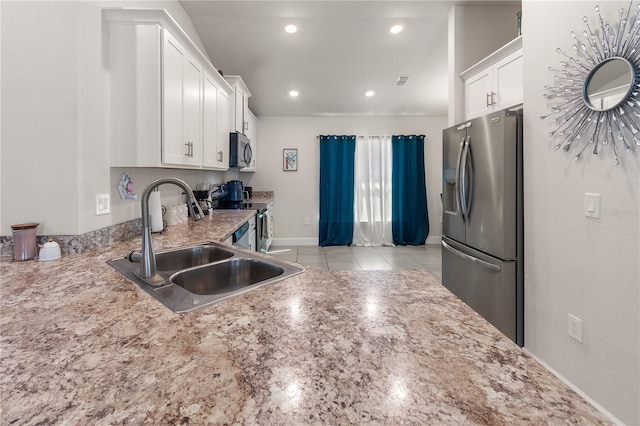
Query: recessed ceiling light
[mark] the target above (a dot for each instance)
(396, 29)
(294, 93)
(291, 28)
(369, 93)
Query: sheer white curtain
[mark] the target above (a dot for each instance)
(372, 197)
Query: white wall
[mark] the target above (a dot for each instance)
(39, 93)
(576, 265)
(55, 85)
(296, 193)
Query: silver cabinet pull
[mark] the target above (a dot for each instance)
(220, 156)
(189, 152)
(491, 100)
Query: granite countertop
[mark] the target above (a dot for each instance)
(83, 345)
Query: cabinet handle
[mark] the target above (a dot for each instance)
(220, 156)
(245, 126)
(189, 152)
(491, 99)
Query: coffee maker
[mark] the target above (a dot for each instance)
(202, 196)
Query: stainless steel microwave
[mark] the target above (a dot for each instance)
(240, 152)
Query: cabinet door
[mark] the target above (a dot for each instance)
(173, 150)
(210, 123)
(239, 110)
(192, 111)
(182, 105)
(245, 113)
(508, 80)
(476, 90)
(223, 130)
(252, 241)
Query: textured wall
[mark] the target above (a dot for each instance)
(574, 264)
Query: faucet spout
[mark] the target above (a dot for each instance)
(147, 256)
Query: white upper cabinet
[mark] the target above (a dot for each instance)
(239, 104)
(215, 126)
(494, 83)
(181, 105)
(167, 100)
(223, 129)
(210, 121)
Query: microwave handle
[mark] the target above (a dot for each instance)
(247, 154)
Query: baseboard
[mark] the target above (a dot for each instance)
(314, 241)
(437, 240)
(576, 389)
(295, 242)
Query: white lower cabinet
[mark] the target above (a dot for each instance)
(494, 83)
(169, 107)
(252, 234)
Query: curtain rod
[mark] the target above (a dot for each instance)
(371, 136)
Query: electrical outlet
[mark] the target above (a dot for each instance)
(575, 328)
(102, 204)
(307, 221)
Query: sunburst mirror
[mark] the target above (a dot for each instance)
(598, 87)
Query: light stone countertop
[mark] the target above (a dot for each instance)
(83, 345)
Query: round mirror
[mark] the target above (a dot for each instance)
(608, 84)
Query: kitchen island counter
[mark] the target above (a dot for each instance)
(83, 345)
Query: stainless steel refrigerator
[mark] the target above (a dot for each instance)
(482, 225)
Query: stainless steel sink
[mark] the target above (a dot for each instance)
(232, 275)
(203, 274)
(188, 257)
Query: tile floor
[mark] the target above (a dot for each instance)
(343, 258)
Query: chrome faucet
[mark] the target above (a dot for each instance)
(147, 257)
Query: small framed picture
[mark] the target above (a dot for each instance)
(290, 159)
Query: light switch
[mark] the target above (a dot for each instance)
(592, 205)
(102, 204)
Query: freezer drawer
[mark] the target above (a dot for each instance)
(486, 284)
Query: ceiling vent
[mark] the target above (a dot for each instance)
(402, 80)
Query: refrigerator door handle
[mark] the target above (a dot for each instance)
(469, 161)
(459, 199)
(490, 266)
(463, 179)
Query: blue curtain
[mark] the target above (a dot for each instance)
(337, 154)
(409, 217)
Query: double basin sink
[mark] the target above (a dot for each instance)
(199, 275)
